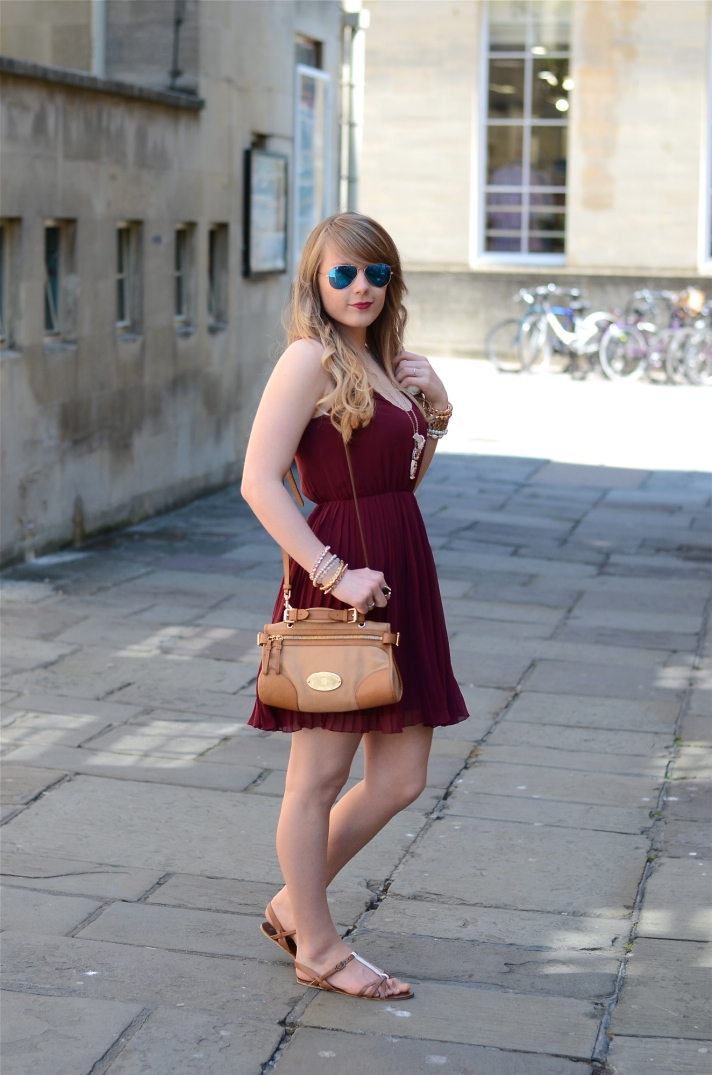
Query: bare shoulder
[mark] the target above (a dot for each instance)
(303, 354)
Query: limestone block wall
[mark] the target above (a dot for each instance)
(110, 426)
(44, 31)
(419, 158)
(639, 134)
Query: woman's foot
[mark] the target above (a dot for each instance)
(353, 977)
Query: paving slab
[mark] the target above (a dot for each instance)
(557, 649)
(697, 728)
(184, 1042)
(191, 700)
(536, 782)
(583, 975)
(488, 669)
(49, 729)
(110, 712)
(580, 711)
(689, 800)
(693, 763)
(465, 630)
(677, 901)
(618, 636)
(52, 873)
(182, 929)
(470, 1015)
(39, 912)
(493, 610)
(650, 600)
(153, 769)
(506, 864)
(240, 827)
(22, 784)
(44, 1035)
(687, 839)
(658, 1056)
(603, 680)
(629, 819)
(598, 740)
(578, 474)
(160, 738)
(22, 654)
(666, 991)
(585, 761)
(324, 1052)
(124, 632)
(174, 672)
(678, 622)
(263, 992)
(346, 902)
(497, 925)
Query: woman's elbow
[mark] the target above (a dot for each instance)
(248, 487)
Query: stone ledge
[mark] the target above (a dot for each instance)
(81, 80)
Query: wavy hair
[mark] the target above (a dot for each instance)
(350, 402)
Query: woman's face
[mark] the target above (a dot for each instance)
(356, 306)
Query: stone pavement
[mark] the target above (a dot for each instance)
(140, 810)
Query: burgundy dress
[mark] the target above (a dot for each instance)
(398, 546)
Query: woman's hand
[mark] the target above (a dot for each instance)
(362, 589)
(415, 370)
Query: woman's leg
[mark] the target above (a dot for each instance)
(318, 767)
(394, 776)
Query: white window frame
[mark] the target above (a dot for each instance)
(506, 257)
(302, 70)
(704, 259)
(184, 318)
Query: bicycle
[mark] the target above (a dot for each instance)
(502, 342)
(564, 331)
(639, 343)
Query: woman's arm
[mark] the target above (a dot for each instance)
(287, 406)
(413, 369)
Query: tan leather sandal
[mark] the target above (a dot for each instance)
(319, 981)
(274, 931)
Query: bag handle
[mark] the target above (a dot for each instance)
(300, 500)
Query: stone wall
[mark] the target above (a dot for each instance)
(109, 426)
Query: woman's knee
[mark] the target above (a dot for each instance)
(400, 790)
(322, 787)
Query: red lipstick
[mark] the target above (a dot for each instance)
(362, 305)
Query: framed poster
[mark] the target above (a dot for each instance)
(265, 245)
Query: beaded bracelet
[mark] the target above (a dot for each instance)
(312, 573)
(324, 569)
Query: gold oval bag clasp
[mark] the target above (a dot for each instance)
(324, 681)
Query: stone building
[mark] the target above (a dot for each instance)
(142, 277)
(520, 141)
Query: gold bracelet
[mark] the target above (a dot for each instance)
(343, 568)
(434, 412)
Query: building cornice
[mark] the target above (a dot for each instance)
(81, 80)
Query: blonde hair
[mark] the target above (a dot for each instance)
(350, 402)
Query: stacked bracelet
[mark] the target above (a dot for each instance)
(437, 419)
(341, 571)
(312, 573)
(324, 569)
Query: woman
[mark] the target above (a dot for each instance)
(346, 377)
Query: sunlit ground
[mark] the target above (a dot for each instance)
(595, 422)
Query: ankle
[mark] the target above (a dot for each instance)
(321, 952)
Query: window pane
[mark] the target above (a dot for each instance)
(181, 249)
(508, 25)
(550, 91)
(2, 283)
(311, 136)
(212, 273)
(552, 27)
(548, 150)
(504, 156)
(548, 244)
(51, 279)
(506, 89)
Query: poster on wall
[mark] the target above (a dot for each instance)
(265, 249)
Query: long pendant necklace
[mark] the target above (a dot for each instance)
(418, 438)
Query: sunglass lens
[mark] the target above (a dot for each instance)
(342, 275)
(378, 275)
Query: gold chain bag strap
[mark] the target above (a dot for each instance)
(327, 660)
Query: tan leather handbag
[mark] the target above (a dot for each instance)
(327, 660)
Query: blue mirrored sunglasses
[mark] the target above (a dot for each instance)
(343, 275)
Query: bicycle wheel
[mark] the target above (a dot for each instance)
(502, 345)
(534, 344)
(676, 355)
(623, 353)
(698, 358)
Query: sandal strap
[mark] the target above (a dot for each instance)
(321, 979)
(279, 931)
